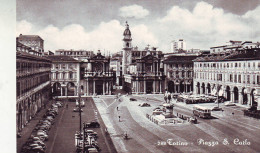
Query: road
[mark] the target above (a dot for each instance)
(62, 133)
(224, 133)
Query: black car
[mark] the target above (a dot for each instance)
(93, 124)
(133, 99)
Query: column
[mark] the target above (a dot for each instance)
(153, 86)
(157, 68)
(66, 91)
(160, 84)
(94, 87)
(174, 88)
(87, 87)
(144, 86)
(232, 95)
(137, 87)
(249, 100)
(240, 97)
(104, 85)
(61, 90)
(75, 90)
(109, 87)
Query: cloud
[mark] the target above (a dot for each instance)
(206, 26)
(142, 36)
(106, 36)
(135, 11)
(23, 26)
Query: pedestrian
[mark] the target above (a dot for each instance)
(119, 118)
(67, 106)
(117, 108)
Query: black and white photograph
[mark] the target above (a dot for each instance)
(136, 76)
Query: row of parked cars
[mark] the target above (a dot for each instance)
(90, 138)
(35, 144)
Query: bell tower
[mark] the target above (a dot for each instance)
(127, 48)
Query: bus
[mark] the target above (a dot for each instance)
(201, 111)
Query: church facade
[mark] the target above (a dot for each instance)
(96, 76)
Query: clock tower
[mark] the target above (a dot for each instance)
(127, 48)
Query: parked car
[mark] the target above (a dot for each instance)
(229, 103)
(82, 103)
(216, 108)
(43, 136)
(93, 150)
(92, 124)
(144, 105)
(77, 109)
(132, 99)
(167, 105)
(59, 104)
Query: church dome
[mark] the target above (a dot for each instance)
(127, 30)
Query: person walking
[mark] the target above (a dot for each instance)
(117, 108)
(119, 118)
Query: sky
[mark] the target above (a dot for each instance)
(99, 24)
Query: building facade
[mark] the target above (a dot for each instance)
(74, 53)
(35, 42)
(235, 76)
(65, 75)
(32, 83)
(96, 76)
(116, 66)
(234, 46)
(178, 69)
(178, 45)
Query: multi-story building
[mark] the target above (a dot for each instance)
(178, 45)
(75, 53)
(142, 69)
(35, 42)
(116, 66)
(178, 69)
(32, 83)
(65, 75)
(234, 46)
(234, 75)
(97, 77)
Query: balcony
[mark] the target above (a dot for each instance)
(23, 72)
(98, 74)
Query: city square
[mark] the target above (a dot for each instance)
(132, 88)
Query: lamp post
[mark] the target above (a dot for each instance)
(80, 121)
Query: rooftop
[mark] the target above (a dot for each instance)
(61, 58)
(246, 54)
(21, 36)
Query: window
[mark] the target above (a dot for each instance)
(177, 74)
(71, 75)
(57, 75)
(248, 78)
(239, 78)
(64, 75)
(258, 79)
(63, 66)
(231, 78)
(235, 78)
